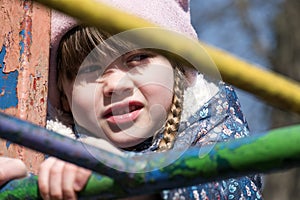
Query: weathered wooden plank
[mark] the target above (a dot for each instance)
(24, 57)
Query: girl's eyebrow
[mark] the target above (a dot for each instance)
(131, 52)
(138, 51)
(88, 64)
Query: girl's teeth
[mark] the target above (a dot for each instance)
(121, 111)
(132, 107)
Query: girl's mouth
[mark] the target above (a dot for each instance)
(123, 113)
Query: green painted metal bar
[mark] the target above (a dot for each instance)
(274, 150)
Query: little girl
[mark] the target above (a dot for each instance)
(109, 93)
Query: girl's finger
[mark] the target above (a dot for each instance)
(55, 179)
(6, 166)
(43, 177)
(81, 179)
(69, 174)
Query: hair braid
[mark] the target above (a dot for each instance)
(174, 116)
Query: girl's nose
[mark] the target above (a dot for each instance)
(117, 83)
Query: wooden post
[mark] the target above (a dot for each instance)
(24, 58)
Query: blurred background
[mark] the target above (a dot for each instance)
(265, 33)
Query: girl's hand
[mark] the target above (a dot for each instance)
(61, 180)
(11, 168)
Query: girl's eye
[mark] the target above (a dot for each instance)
(89, 69)
(137, 59)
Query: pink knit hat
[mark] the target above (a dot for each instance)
(171, 14)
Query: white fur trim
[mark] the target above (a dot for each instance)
(197, 95)
(58, 127)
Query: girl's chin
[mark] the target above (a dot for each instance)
(127, 144)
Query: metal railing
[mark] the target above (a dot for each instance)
(275, 149)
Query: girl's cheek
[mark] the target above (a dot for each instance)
(159, 77)
(84, 94)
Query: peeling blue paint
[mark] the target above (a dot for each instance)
(8, 143)
(22, 34)
(8, 85)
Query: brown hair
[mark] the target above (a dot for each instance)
(174, 115)
(76, 45)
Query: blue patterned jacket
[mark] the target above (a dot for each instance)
(220, 119)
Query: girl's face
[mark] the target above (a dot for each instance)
(127, 102)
